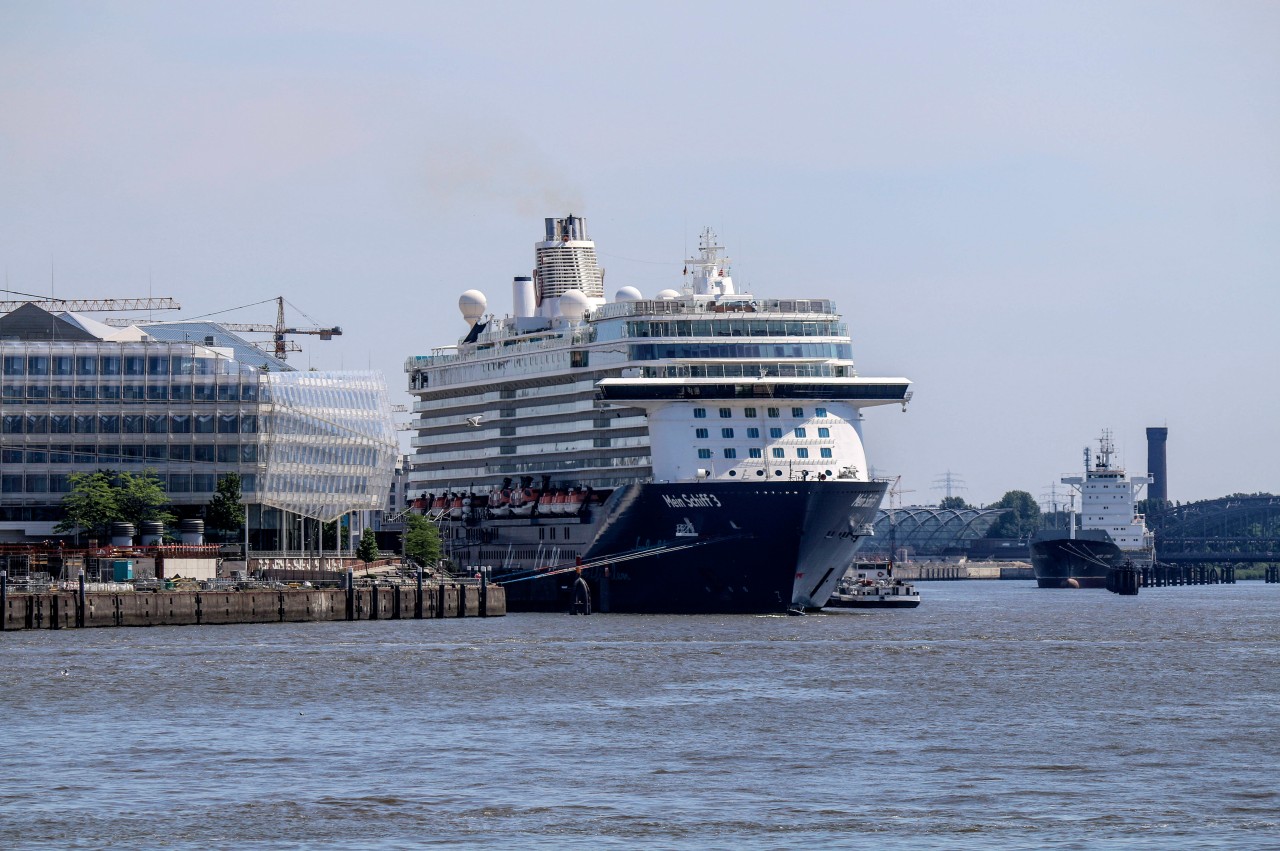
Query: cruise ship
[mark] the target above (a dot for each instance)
(698, 450)
(1110, 532)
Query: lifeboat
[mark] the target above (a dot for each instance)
(500, 502)
(573, 502)
(522, 502)
(456, 508)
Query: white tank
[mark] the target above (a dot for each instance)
(666, 295)
(524, 302)
(472, 303)
(574, 305)
(628, 294)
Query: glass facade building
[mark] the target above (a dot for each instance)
(318, 444)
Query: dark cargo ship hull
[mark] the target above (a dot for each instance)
(690, 548)
(1059, 561)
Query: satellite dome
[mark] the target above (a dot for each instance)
(574, 304)
(667, 295)
(472, 304)
(628, 294)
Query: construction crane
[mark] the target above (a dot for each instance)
(279, 330)
(92, 305)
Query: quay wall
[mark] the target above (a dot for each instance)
(63, 610)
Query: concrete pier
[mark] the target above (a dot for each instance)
(73, 610)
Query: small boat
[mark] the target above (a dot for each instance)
(873, 592)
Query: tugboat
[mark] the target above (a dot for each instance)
(882, 591)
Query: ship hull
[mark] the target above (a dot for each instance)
(1060, 561)
(682, 548)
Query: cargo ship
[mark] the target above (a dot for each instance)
(698, 450)
(1110, 532)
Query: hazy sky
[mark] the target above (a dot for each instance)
(1053, 217)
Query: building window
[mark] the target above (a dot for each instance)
(774, 412)
(731, 453)
(725, 413)
(701, 433)
(699, 413)
(749, 413)
(825, 452)
(819, 412)
(753, 433)
(754, 452)
(824, 432)
(726, 432)
(802, 453)
(800, 432)
(778, 453)
(797, 412)
(775, 432)
(704, 453)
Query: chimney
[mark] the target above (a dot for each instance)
(1157, 468)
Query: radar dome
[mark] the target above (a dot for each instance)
(628, 294)
(472, 304)
(667, 295)
(574, 304)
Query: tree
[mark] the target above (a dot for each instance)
(368, 549)
(90, 505)
(225, 512)
(1020, 520)
(956, 502)
(421, 539)
(140, 498)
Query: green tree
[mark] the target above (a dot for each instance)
(421, 539)
(90, 504)
(225, 513)
(368, 549)
(1020, 520)
(956, 502)
(140, 498)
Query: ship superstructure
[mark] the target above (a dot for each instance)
(572, 399)
(1109, 533)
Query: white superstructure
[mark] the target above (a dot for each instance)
(1108, 498)
(697, 383)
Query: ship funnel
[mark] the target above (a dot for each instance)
(524, 302)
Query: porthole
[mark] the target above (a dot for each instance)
(759, 472)
(777, 472)
(733, 473)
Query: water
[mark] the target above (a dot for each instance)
(995, 714)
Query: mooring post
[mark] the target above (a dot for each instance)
(351, 594)
(4, 599)
(484, 592)
(81, 600)
(417, 605)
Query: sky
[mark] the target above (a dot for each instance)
(1053, 217)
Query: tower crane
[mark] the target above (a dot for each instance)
(280, 329)
(91, 305)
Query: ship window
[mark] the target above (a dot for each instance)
(819, 412)
(797, 412)
(725, 413)
(754, 452)
(775, 432)
(731, 453)
(824, 432)
(753, 432)
(777, 472)
(800, 433)
(704, 453)
(726, 432)
(759, 472)
(749, 413)
(701, 434)
(733, 472)
(577, 359)
(778, 453)
(774, 412)
(825, 452)
(802, 453)
(700, 413)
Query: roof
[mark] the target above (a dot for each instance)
(200, 333)
(30, 323)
